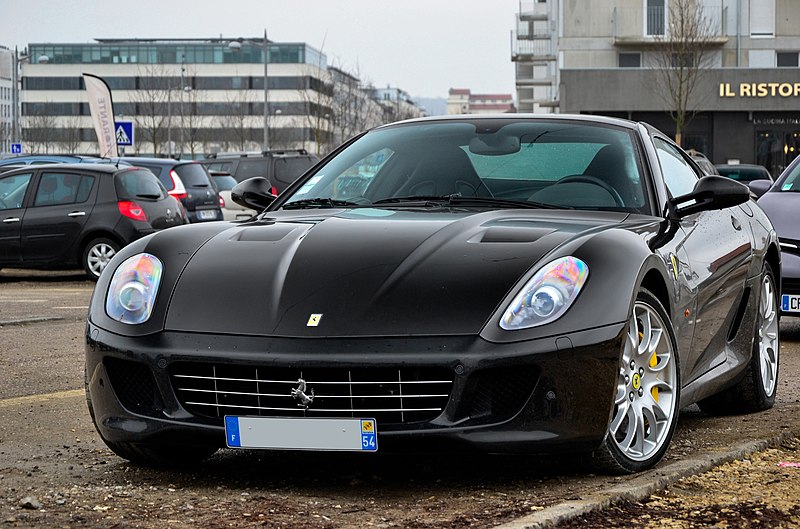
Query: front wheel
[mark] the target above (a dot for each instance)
(96, 256)
(648, 391)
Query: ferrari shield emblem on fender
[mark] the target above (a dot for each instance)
(313, 320)
(674, 263)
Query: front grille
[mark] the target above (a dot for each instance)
(790, 286)
(389, 395)
(134, 385)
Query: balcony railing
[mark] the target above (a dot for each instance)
(542, 48)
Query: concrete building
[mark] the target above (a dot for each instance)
(610, 57)
(186, 97)
(397, 103)
(6, 99)
(463, 101)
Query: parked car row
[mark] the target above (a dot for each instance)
(63, 211)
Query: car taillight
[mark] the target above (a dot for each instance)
(221, 202)
(274, 190)
(178, 191)
(132, 210)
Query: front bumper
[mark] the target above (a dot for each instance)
(551, 394)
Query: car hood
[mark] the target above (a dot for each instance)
(781, 208)
(367, 272)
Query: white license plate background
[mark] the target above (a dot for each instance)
(207, 214)
(301, 433)
(790, 303)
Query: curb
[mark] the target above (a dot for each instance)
(640, 487)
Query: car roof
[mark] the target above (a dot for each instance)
(740, 165)
(592, 118)
(166, 162)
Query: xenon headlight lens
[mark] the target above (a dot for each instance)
(133, 288)
(547, 295)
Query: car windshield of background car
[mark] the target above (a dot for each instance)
(224, 182)
(792, 181)
(131, 185)
(513, 160)
(193, 174)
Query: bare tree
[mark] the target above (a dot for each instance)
(69, 135)
(6, 133)
(680, 59)
(235, 122)
(353, 108)
(39, 132)
(152, 100)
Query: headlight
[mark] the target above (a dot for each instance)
(547, 296)
(133, 289)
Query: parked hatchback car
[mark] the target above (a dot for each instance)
(73, 215)
(187, 181)
(744, 172)
(281, 168)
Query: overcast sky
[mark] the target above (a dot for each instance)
(424, 47)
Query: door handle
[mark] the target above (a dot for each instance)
(76, 214)
(736, 224)
(9, 220)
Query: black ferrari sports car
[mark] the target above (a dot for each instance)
(508, 283)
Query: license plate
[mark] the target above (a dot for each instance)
(207, 214)
(790, 303)
(284, 433)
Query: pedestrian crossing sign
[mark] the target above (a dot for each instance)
(124, 133)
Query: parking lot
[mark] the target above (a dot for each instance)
(56, 472)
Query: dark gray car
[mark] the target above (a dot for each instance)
(187, 181)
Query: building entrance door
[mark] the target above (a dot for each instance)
(775, 149)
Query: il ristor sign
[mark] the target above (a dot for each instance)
(759, 90)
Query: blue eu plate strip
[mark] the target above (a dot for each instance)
(232, 431)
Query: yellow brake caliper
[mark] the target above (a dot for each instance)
(653, 363)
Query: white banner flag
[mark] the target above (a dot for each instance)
(102, 109)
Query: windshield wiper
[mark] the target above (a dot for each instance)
(148, 195)
(319, 202)
(457, 199)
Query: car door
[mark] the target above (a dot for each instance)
(718, 251)
(51, 229)
(13, 190)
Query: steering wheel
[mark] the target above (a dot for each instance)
(589, 179)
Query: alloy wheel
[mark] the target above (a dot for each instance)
(98, 257)
(646, 397)
(768, 344)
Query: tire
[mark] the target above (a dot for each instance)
(757, 389)
(646, 404)
(161, 456)
(96, 256)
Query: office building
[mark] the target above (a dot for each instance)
(611, 57)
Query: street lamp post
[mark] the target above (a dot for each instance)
(182, 88)
(236, 45)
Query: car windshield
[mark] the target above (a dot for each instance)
(791, 183)
(483, 163)
(137, 184)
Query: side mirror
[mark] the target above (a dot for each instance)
(254, 193)
(711, 192)
(759, 187)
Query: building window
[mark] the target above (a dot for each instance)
(656, 17)
(762, 18)
(787, 59)
(630, 60)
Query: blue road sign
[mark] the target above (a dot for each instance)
(16, 148)
(124, 133)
